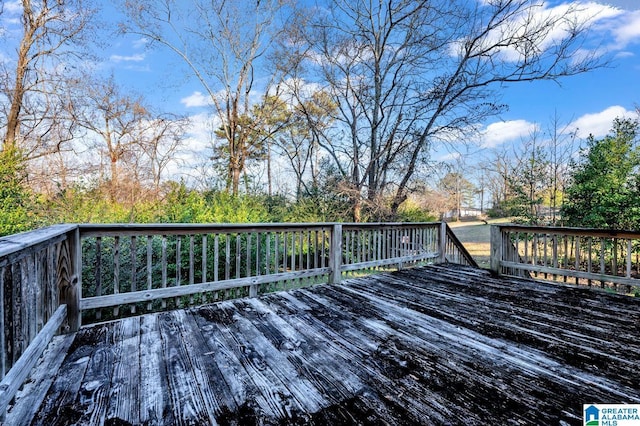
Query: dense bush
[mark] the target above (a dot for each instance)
(17, 203)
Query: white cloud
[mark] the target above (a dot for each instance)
(599, 124)
(138, 57)
(505, 131)
(624, 54)
(140, 43)
(627, 29)
(13, 7)
(196, 99)
(566, 16)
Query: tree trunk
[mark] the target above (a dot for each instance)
(269, 184)
(13, 119)
(357, 210)
(235, 171)
(115, 184)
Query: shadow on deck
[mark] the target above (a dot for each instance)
(432, 345)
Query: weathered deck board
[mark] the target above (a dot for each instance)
(433, 345)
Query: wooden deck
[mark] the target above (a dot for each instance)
(432, 345)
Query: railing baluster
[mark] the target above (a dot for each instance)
(205, 260)
(192, 269)
(116, 271)
(98, 273)
(178, 282)
(308, 251)
(238, 254)
(133, 269)
(227, 256)
(566, 255)
(602, 262)
(258, 258)
(293, 251)
(149, 268)
(300, 250)
(216, 256)
(545, 254)
(285, 252)
(267, 260)
(614, 260)
(164, 268)
(577, 260)
(3, 336)
(589, 259)
(248, 251)
(628, 274)
(253, 289)
(555, 253)
(276, 253)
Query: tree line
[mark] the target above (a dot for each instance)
(552, 179)
(349, 98)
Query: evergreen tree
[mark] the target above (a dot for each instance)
(604, 190)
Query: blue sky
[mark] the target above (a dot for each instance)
(587, 102)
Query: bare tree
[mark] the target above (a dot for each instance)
(122, 129)
(221, 43)
(561, 149)
(499, 167)
(408, 74)
(160, 140)
(34, 88)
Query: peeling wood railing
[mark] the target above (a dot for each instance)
(161, 266)
(591, 257)
(56, 278)
(38, 290)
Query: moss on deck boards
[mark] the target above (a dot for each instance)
(432, 345)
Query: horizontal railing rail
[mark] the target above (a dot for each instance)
(583, 256)
(57, 278)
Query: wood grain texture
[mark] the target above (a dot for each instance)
(434, 345)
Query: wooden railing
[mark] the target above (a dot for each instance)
(591, 257)
(57, 278)
(152, 267)
(39, 293)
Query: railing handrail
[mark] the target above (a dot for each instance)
(593, 232)
(11, 244)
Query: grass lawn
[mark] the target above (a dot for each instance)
(476, 237)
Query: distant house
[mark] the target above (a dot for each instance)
(464, 212)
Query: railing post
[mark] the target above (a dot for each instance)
(70, 278)
(335, 254)
(442, 242)
(496, 248)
